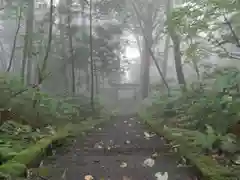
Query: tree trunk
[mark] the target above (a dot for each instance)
(148, 42)
(84, 32)
(64, 57)
(30, 40)
(91, 58)
(165, 58)
(145, 76)
(178, 61)
(195, 66)
(176, 48)
(15, 40)
(27, 50)
(69, 19)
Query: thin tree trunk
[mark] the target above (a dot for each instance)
(69, 3)
(84, 32)
(166, 54)
(91, 59)
(195, 66)
(42, 71)
(30, 41)
(178, 61)
(27, 38)
(64, 57)
(176, 49)
(146, 72)
(15, 40)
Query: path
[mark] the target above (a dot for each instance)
(129, 148)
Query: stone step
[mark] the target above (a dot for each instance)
(125, 151)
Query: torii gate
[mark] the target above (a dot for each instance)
(126, 86)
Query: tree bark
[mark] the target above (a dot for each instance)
(166, 54)
(69, 21)
(178, 61)
(91, 59)
(30, 40)
(15, 40)
(27, 50)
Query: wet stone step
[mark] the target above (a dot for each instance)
(125, 151)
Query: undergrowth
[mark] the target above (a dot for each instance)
(208, 110)
(28, 115)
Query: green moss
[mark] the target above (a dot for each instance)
(17, 165)
(7, 153)
(209, 168)
(13, 169)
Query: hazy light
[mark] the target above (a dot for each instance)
(131, 53)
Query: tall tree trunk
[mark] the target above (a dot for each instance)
(63, 54)
(178, 60)
(166, 54)
(176, 47)
(69, 19)
(145, 76)
(148, 42)
(15, 39)
(195, 66)
(30, 43)
(27, 50)
(84, 33)
(91, 58)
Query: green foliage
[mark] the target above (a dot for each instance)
(210, 109)
(49, 110)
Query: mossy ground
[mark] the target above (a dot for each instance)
(209, 168)
(17, 165)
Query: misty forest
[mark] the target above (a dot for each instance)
(120, 89)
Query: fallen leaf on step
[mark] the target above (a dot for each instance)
(123, 165)
(41, 164)
(98, 146)
(155, 155)
(127, 142)
(64, 174)
(148, 135)
(126, 178)
(161, 176)
(149, 162)
(88, 177)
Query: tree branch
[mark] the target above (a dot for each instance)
(232, 31)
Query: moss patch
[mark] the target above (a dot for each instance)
(209, 168)
(17, 166)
